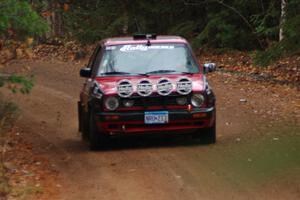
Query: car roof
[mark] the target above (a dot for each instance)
(131, 40)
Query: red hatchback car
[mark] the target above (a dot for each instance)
(145, 84)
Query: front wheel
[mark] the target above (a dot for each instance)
(209, 135)
(206, 135)
(83, 123)
(96, 139)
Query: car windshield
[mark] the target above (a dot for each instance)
(166, 58)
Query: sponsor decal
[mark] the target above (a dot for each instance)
(110, 48)
(127, 48)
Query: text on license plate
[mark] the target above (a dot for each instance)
(157, 117)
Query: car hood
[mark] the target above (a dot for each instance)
(108, 84)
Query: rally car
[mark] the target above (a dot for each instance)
(145, 84)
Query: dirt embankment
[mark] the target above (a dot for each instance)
(256, 157)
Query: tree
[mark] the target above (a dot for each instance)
(18, 20)
(282, 19)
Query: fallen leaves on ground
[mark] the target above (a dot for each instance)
(284, 71)
(30, 175)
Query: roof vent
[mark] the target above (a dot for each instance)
(144, 36)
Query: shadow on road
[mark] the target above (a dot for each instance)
(137, 142)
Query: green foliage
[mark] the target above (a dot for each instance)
(24, 83)
(184, 29)
(89, 23)
(264, 58)
(290, 44)
(18, 16)
(94, 20)
(266, 24)
(217, 33)
(18, 83)
(212, 23)
(236, 24)
(8, 113)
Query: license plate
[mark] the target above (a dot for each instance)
(157, 117)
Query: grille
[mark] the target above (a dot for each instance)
(155, 101)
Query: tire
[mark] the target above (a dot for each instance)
(209, 135)
(79, 111)
(206, 136)
(96, 139)
(83, 124)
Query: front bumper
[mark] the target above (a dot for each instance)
(133, 122)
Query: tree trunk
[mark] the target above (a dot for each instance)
(282, 19)
(54, 19)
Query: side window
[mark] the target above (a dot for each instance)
(97, 61)
(94, 59)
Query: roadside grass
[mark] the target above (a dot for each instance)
(252, 163)
(8, 114)
(25, 191)
(273, 157)
(4, 186)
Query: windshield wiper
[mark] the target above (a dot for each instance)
(166, 71)
(121, 73)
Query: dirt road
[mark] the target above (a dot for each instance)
(257, 155)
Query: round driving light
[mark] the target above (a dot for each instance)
(181, 101)
(124, 88)
(197, 100)
(164, 87)
(111, 103)
(128, 103)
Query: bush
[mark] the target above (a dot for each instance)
(17, 83)
(8, 113)
(184, 29)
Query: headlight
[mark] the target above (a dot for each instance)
(128, 103)
(111, 103)
(181, 101)
(197, 100)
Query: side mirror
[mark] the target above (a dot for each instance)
(209, 67)
(85, 72)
